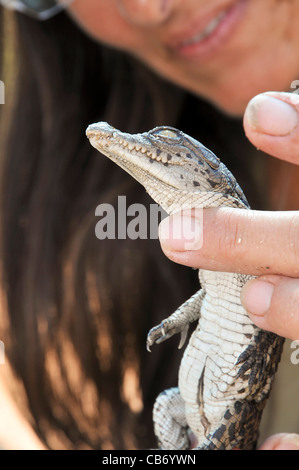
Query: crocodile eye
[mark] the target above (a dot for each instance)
(168, 133)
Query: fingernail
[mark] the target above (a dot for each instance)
(182, 231)
(271, 116)
(256, 297)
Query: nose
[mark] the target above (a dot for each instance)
(145, 12)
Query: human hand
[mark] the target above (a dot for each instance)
(269, 240)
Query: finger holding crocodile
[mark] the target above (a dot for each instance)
(249, 242)
(235, 240)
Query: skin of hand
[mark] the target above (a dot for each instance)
(269, 240)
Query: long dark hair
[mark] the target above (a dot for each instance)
(78, 308)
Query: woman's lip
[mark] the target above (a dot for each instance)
(186, 45)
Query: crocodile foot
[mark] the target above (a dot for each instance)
(165, 330)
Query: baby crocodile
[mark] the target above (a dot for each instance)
(229, 365)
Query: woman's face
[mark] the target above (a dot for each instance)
(224, 50)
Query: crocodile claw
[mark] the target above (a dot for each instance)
(164, 331)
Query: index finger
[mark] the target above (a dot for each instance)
(236, 240)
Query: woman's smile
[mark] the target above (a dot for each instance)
(208, 31)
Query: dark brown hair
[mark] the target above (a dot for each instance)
(79, 309)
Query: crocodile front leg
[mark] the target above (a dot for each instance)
(178, 322)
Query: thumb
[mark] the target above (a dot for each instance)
(271, 123)
(272, 303)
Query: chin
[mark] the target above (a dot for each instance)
(228, 104)
(234, 110)
(233, 100)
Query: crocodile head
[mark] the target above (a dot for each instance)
(176, 170)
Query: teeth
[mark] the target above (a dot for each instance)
(206, 32)
(135, 147)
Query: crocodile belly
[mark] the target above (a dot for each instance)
(208, 371)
